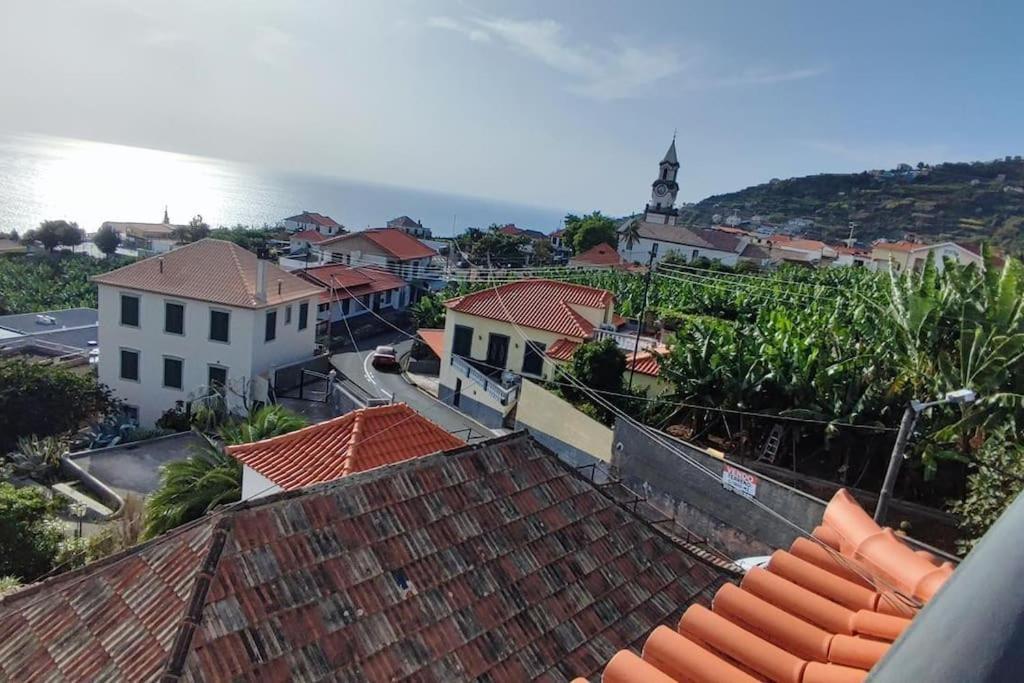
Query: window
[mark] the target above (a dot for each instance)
(173, 371)
(462, 344)
(322, 308)
(387, 298)
(303, 315)
(695, 254)
(288, 315)
(497, 350)
(174, 318)
(270, 331)
(129, 310)
(344, 306)
(219, 323)
(130, 365)
(216, 376)
(533, 358)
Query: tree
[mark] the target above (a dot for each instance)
(543, 253)
(53, 233)
(29, 536)
(599, 365)
(592, 230)
(107, 240)
(428, 312)
(197, 229)
(210, 477)
(631, 233)
(996, 479)
(45, 400)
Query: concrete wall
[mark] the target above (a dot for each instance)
(575, 437)
(702, 504)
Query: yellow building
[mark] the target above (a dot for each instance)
(494, 335)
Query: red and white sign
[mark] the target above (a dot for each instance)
(739, 481)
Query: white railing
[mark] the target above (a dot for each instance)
(625, 340)
(494, 388)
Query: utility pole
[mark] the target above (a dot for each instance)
(643, 311)
(910, 415)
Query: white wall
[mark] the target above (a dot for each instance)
(291, 343)
(244, 356)
(641, 252)
(255, 485)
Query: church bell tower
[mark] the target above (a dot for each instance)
(661, 208)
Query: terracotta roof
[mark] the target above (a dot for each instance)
(354, 442)
(731, 230)
(340, 282)
(562, 349)
(434, 339)
(755, 252)
(646, 362)
(852, 251)
(802, 244)
(210, 270)
(901, 245)
(510, 229)
(600, 255)
(692, 237)
(537, 304)
(403, 222)
(494, 562)
(309, 236)
(807, 617)
(398, 244)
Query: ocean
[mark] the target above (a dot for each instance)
(43, 177)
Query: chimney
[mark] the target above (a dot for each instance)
(261, 280)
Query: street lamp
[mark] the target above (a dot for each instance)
(910, 415)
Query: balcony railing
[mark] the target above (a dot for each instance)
(493, 386)
(625, 340)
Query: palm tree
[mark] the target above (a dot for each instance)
(192, 487)
(267, 422)
(630, 233)
(210, 477)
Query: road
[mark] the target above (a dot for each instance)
(355, 365)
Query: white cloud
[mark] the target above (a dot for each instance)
(609, 73)
(766, 76)
(449, 24)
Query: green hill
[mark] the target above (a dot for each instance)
(967, 202)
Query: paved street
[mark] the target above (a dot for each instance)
(355, 365)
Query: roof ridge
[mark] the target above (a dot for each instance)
(203, 580)
(245, 282)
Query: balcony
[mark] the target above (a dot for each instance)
(625, 340)
(487, 378)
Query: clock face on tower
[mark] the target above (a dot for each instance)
(660, 189)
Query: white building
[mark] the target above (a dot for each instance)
(147, 237)
(208, 314)
(315, 222)
(388, 248)
(349, 292)
(903, 255)
(410, 227)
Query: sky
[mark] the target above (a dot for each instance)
(562, 104)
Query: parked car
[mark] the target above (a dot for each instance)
(384, 358)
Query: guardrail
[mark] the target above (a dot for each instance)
(494, 388)
(625, 340)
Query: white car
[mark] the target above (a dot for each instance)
(384, 358)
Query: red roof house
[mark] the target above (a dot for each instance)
(356, 441)
(389, 242)
(600, 256)
(340, 282)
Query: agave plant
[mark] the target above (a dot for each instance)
(38, 458)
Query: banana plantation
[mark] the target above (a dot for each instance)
(811, 369)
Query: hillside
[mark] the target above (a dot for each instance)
(967, 202)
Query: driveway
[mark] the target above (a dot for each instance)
(355, 365)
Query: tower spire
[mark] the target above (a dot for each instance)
(167, 220)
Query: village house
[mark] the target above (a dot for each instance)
(154, 238)
(494, 335)
(313, 222)
(351, 291)
(387, 248)
(600, 256)
(903, 255)
(852, 257)
(337, 448)
(304, 241)
(807, 252)
(410, 227)
(206, 315)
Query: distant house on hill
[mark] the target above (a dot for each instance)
(784, 249)
(410, 227)
(314, 222)
(513, 230)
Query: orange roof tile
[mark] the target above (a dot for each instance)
(356, 441)
(309, 236)
(600, 255)
(340, 282)
(647, 362)
(562, 349)
(210, 270)
(434, 339)
(395, 242)
(537, 304)
(812, 615)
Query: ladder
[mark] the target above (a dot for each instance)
(771, 445)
